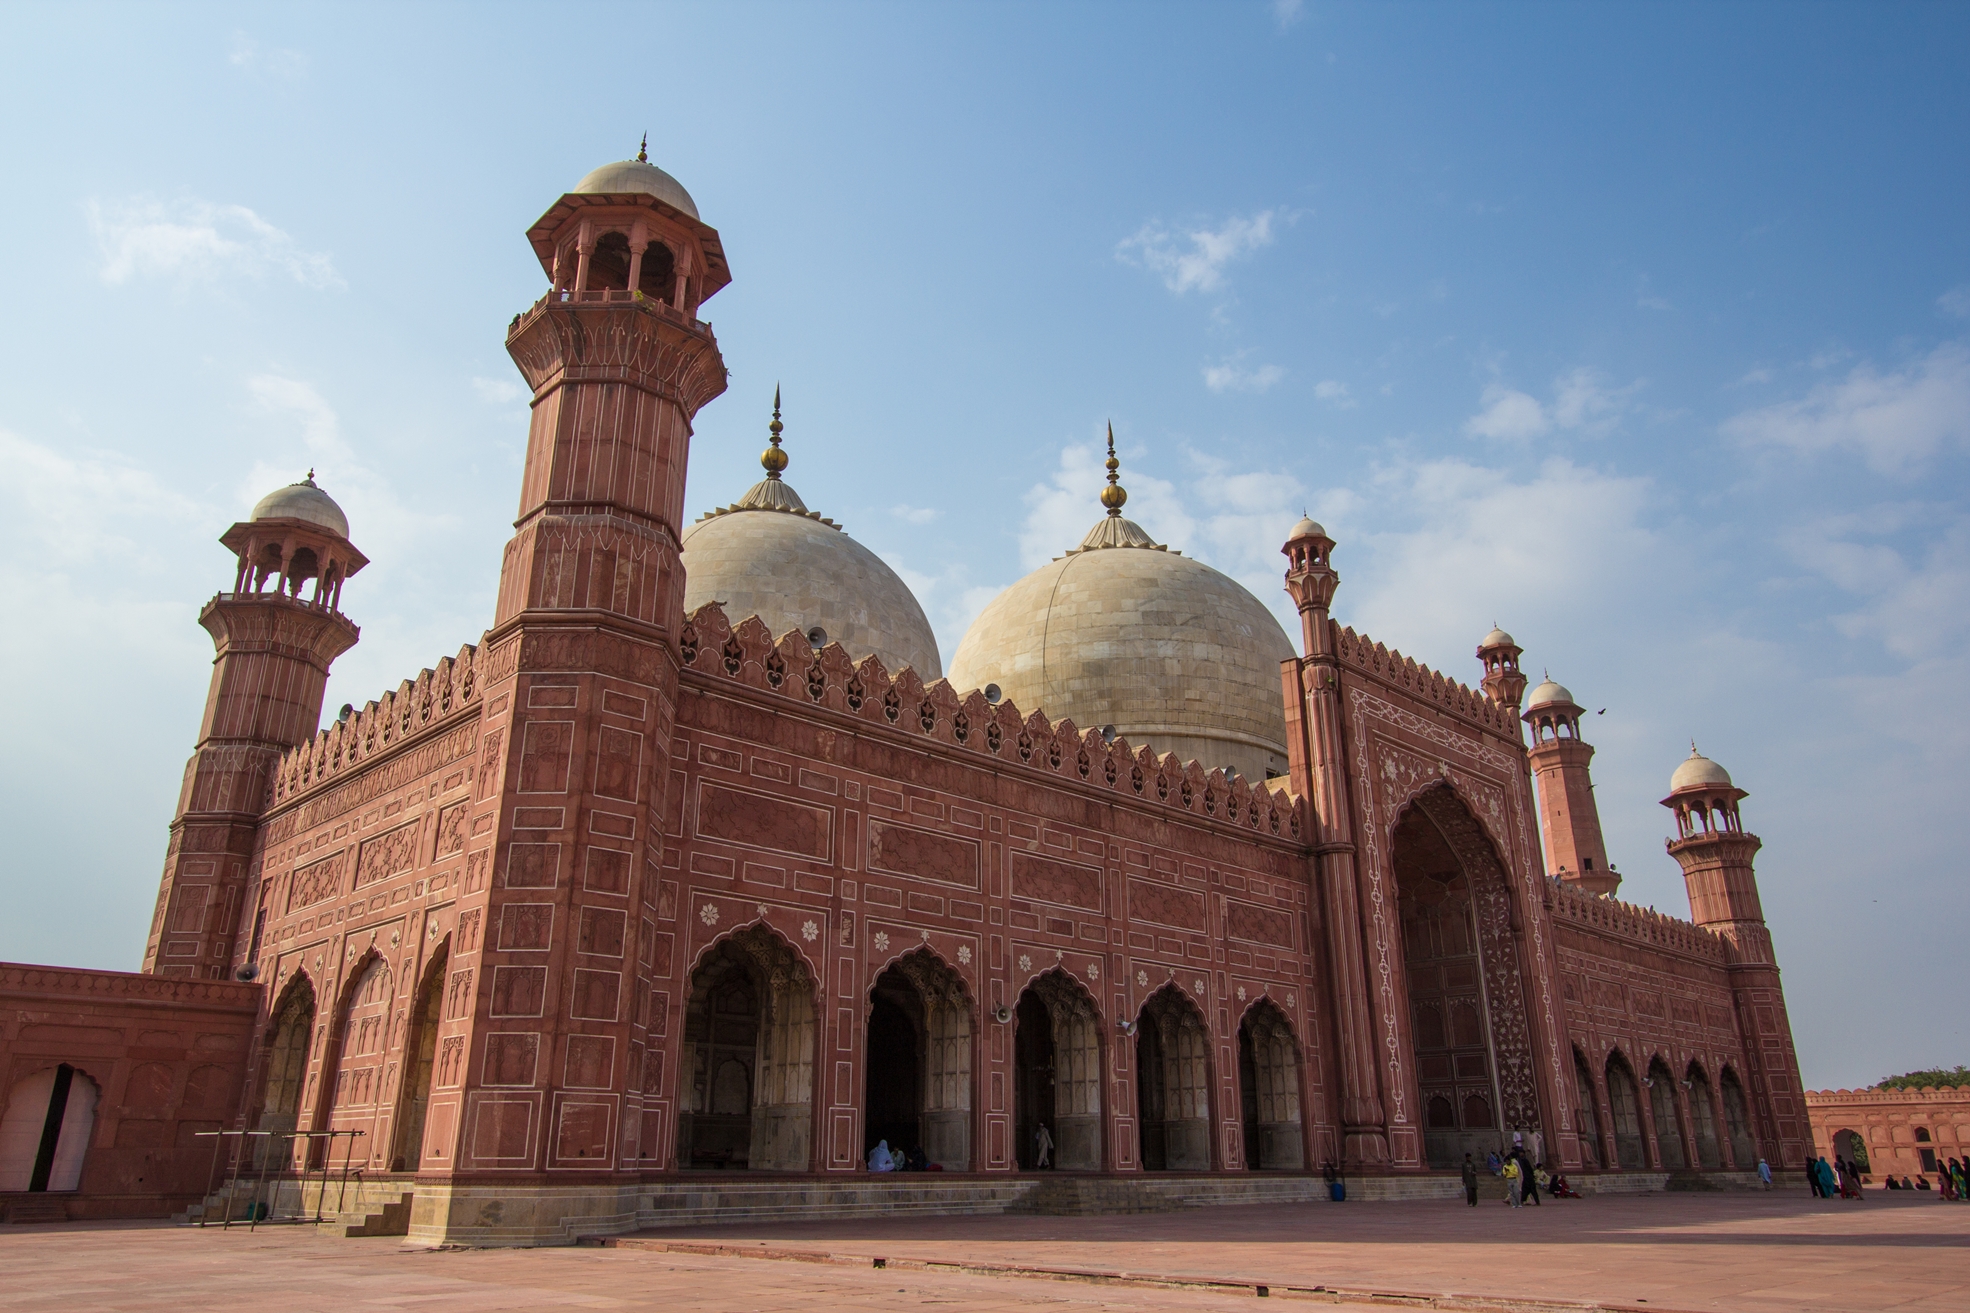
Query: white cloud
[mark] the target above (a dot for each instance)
(1195, 260)
(1583, 402)
(1332, 390)
(190, 240)
(914, 514)
(498, 391)
(1230, 376)
(1507, 414)
(1955, 302)
(1916, 604)
(266, 61)
(1288, 12)
(1895, 422)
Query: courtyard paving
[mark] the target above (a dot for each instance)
(1654, 1253)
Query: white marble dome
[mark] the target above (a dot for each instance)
(768, 555)
(303, 501)
(1126, 633)
(1499, 638)
(1545, 693)
(1699, 772)
(631, 176)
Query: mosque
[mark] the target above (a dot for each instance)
(700, 877)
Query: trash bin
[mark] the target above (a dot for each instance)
(1338, 1191)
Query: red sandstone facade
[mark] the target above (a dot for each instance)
(1903, 1133)
(619, 895)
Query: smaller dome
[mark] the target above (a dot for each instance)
(1499, 638)
(303, 501)
(1699, 772)
(638, 176)
(1547, 692)
(1306, 528)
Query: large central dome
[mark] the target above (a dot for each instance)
(1122, 631)
(768, 555)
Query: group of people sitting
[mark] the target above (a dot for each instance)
(1524, 1179)
(882, 1158)
(1952, 1181)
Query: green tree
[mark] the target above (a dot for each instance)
(1958, 1076)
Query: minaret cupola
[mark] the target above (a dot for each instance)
(1502, 682)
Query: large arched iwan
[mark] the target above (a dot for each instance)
(1468, 1021)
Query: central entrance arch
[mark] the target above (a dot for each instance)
(1057, 1074)
(1467, 1014)
(748, 1060)
(1173, 1092)
(919, 1062)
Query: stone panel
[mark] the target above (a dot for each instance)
(907, 850)
(1052, 881)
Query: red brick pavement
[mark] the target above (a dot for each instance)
(1655, 1253)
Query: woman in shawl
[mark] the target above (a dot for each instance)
(880, 1159)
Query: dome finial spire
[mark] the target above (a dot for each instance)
(643, 151)
(1114, 495)
(773, 458)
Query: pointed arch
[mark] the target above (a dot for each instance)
(1057, 1073)
(1588, 1112)
(1737, 1118)
(1703, 1116)
(419, 1060)
(352, 1067)
(1269, 1088)
(1665, 1115)
(290, 1042)
(1625, 1111)
(1173, 1082)
(1468, 1020)
(918, 1069)
(747, 1067)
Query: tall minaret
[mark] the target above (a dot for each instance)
(274, 650)
(1502, 683)
(1715, 853)
(583, 663)
(1567, 814)
(1318, 769)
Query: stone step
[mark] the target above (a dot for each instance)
(393, 1220)
(31, 1208)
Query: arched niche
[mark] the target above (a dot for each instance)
(1668, 1123)
(1703, 1117)
(1057, 1073)
(1269, 1090)
(420, 1057)
(1737, 1120)
(748, 1060)
(1468, 1020)
(1173, 1083)
(918, 1067)
(1587, 1111)
(1624, 1106)
(45, 1130)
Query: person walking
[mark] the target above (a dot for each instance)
(1470, 1180)
(1529, 1177)
(1043, 1146)
(1765, 1173)
(1514, 1179)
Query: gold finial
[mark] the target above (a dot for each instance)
(1114, 495)
(311, 474)
(643, 151)
(773, 458)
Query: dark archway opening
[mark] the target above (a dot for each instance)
(1703, 1118)
(657, 279)
(1173, 1084)
(1737, 1121)
(1624, 1106)
(895, 1065)
(1032, 1048)
(748, 1060)
(420, 1056)
(1057, 1074)
(1668, 1125)
(608, 267)
(1850, 1145)
(1269, 1091)
(1587, 1112)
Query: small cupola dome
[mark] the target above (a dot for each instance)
(303, 501)
(1699, 772)
(1498, 638)
(637, 176)
(1546, 693)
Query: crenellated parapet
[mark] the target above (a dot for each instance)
(1638, 925)
(829, 679)
(438, 695)
(1402, 672)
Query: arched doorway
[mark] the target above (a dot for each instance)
(1467, 1015)
(1173, 1099)
(1587, 1110)
(1625, 1106)
(287, 1069)
(1269, 1090)
(748, 1060)
(1057, 1074)
(420, 1052)
(919, 1062)
(1737, 1121)
(45, 1130)
(1850, 1145)
(1668, 1126)
(1703, 1118)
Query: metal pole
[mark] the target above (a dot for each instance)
(322, 1197)
(233, 1176)
(254, 1224)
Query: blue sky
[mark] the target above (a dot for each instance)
(1643, 331)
